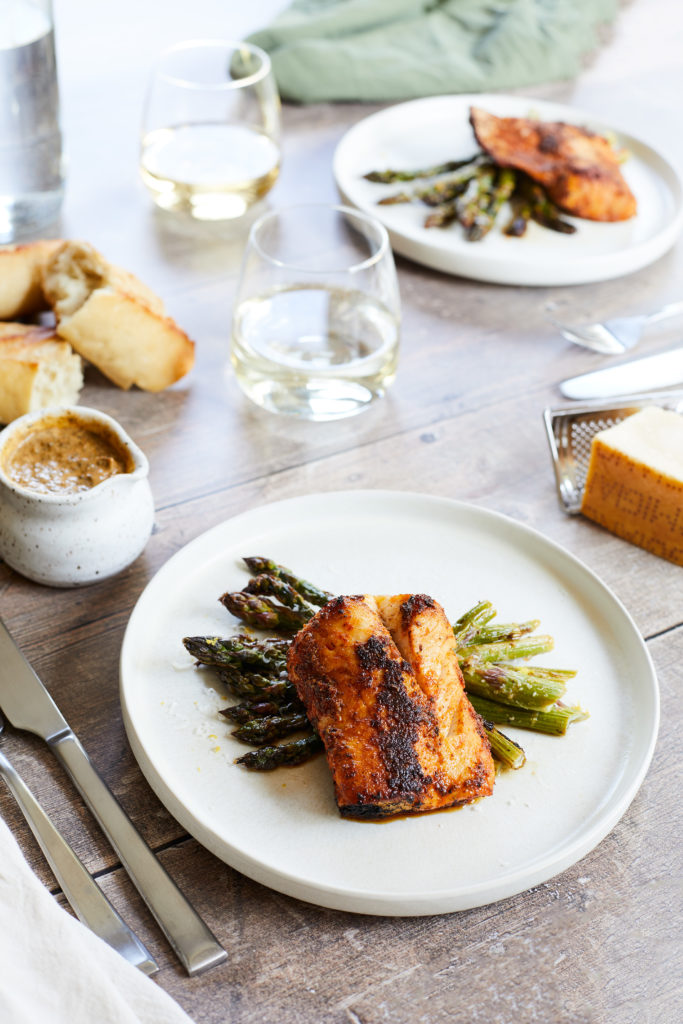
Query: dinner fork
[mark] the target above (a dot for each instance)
(88, 901)
(619, 335)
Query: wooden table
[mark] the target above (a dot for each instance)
(478, 365)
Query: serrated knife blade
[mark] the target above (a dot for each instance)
(28, 705)
(648, 374)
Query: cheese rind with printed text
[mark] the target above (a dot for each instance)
(634, 485)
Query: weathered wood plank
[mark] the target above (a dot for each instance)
(563, 951)
(478, 365)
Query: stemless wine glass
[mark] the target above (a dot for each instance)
(316, 323)
(211, 129)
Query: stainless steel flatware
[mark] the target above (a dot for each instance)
(88, 901)
(661, 371)
(616, 336)
(28, 705)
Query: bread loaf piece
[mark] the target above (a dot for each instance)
(634, 486)
(114, 321)
(21, 278)
(37, 370)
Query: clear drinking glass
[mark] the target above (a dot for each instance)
(31, 172)
(315, 330)
(211, 129)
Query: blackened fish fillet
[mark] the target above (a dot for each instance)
(380, 681)
(578, 169)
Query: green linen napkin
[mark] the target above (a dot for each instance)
(378, 50)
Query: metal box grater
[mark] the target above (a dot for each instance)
(570, 431)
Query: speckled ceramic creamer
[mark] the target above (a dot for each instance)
(71, 539)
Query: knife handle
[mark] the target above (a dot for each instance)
(196, 946)
(88, 901)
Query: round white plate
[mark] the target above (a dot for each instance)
(429, 131)
(283, 828)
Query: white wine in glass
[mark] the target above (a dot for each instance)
(211, 131)
(316, 323)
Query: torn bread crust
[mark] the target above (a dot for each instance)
(21, 278)
(114, 321)
(76, 270)
(380, 681)
(37, 370)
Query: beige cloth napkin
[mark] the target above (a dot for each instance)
(53, 970)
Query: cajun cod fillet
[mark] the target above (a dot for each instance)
(424, 637)
(578, 169)
(399, 732)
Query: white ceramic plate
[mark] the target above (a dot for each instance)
(283, 828)
(429, 131)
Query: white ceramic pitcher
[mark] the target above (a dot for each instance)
(67, 540)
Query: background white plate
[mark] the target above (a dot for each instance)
(429, 131)
(283, 828)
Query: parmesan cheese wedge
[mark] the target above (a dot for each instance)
(634, 485)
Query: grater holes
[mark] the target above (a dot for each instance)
(571, 432)
(582, 434)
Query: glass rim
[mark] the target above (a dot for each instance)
(383, 247)
(226, 44)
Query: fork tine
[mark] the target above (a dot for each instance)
(597, 337)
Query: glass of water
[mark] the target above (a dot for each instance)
(210, 143)
(31, 172)
(315, 330)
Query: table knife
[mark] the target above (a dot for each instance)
(87, 900)
(661, 371)
(28, 705)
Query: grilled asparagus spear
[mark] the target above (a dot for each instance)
(264, 613)
(269, 655)
(520, 219)
(498, 632)
(252, 684)
(505, 750)
(442, 216)
(554, 721)
(501, 191)
(259, 708)
(507, 685)
(273, 586)
(519, 647)
(475, 198)
(309, 591)
(259, 731)
(472, 621)
(267, 758)
(390, 177)
(443, 190)
(544, 212)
